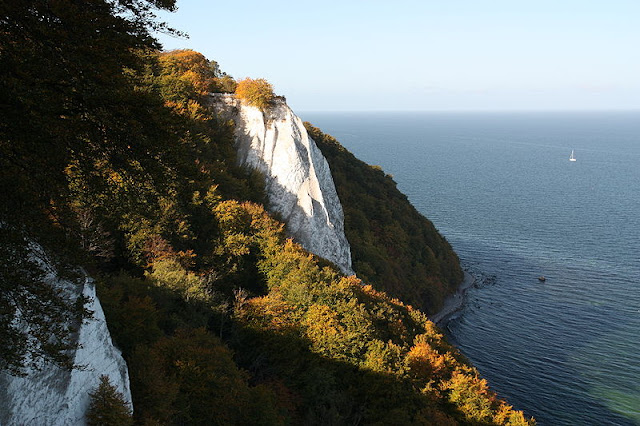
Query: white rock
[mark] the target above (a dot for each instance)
(53, 396)
(298, 180)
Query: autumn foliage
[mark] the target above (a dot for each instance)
(112, 160)
(393, 246)
(258, 92)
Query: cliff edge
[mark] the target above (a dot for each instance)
(298, 181)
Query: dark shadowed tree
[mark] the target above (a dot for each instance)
(108, 407)
(68, 96)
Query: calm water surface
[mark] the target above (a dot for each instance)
(501, 189)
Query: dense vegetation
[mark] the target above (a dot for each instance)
(393, 247)
(108, 406)
(256, 92)
(316, 347)
(111, 160)
(70, 102)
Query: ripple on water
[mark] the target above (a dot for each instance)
(501, 190)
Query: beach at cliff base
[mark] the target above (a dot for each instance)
(454, 302)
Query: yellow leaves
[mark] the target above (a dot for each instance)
(195, 111)
(323, 328)
(268, 313)
(506, 415)
(383, 357)
(502, 414)
(473, 398)
(349, 283)
(191, 67)
(470, 394)
(244, 225)
(322, 323)
(196, 79)
(232, 216)
(432, 331)
(189, 108)
(185, 60)
(425, 363)
(115, 178)
(169, 273)
(258, 92)
(237, 244)
(212, 197)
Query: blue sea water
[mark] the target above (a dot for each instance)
(502, 190)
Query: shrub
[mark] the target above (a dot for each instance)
(258, 92)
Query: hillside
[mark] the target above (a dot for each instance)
(113, 161)
(393, 247)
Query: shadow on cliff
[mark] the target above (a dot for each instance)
(303, 227)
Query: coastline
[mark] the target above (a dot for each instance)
(453, 303)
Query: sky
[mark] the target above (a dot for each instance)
(429, 55)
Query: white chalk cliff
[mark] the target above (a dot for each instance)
(53, 396)
(298, 180)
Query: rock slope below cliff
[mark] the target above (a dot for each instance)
(298, 182)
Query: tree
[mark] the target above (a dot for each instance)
(191, 378)
(258, 92)
(108, 407)
(68, 97)
(188, 66)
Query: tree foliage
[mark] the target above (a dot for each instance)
(311, 345)
(107, 406)
(256, 92)
(68, 98)
(393, 246)
(193, 379)
(111, 158)
(36, 321)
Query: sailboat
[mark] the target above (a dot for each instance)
(572, 158)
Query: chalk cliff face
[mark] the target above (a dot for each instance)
(52, 396)
(299, 185)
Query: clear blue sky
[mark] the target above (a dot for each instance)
(425, 55)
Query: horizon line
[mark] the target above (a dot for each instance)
(502, 111)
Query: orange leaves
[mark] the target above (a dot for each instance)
(186, 77)
(258, 92)
(426, 363)
(268, 312)
(157, 248)
(323, 328)
(191, 67)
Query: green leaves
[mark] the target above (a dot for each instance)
(393, 247)
(69, 110)
(108, 407)
(35, 316)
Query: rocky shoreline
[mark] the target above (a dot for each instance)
(454, 302)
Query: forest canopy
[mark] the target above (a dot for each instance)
(112, 161)
(69, 99)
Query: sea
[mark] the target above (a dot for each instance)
(501, 189)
